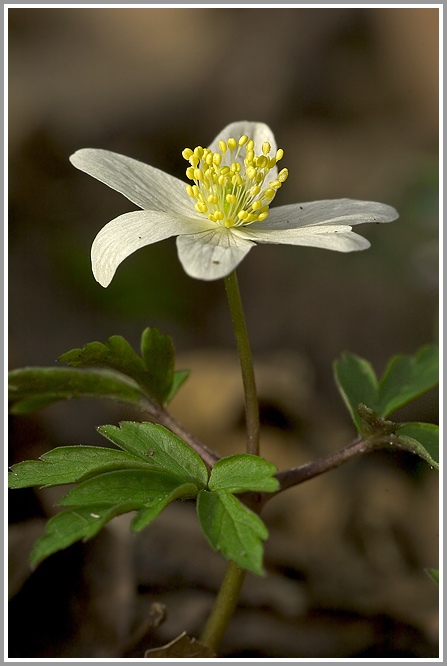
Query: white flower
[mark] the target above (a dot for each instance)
(225, 210)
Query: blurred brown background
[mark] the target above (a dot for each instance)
(352, 97)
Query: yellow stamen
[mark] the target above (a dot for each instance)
(233, 193)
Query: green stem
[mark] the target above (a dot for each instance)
(224, 607)
(248, 377)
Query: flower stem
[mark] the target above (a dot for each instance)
(224, 607)
(248, 377)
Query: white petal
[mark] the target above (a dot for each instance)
(131, 231)
(330, 237)
(144, 185)
(259, 132)
(331, 211)
(212, 254)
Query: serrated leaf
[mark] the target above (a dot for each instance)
(421, 439)
(154, 371)
(168, 450)
(243, 472)
(232, 528)
(148, 513)
(81, 522)
(116, 353)
(68, 464)
(405, 378)
(31, 389)
(111, 488)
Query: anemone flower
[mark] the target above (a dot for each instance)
(223, 211)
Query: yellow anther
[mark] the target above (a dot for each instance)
(241, 188)
(249, 157)
(266, 147)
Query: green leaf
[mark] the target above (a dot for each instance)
(156, 506)
(242, 472)
(421, 439)
(81, 522)
(180, 376)
(68, 464)
(357, 383)
(31, 389)
(154, 371)
(158, 355)
(434, 574)
(405, 378)
(232, 528)
(136, 486)
(167, 450)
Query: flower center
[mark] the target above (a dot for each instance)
(229, 190)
